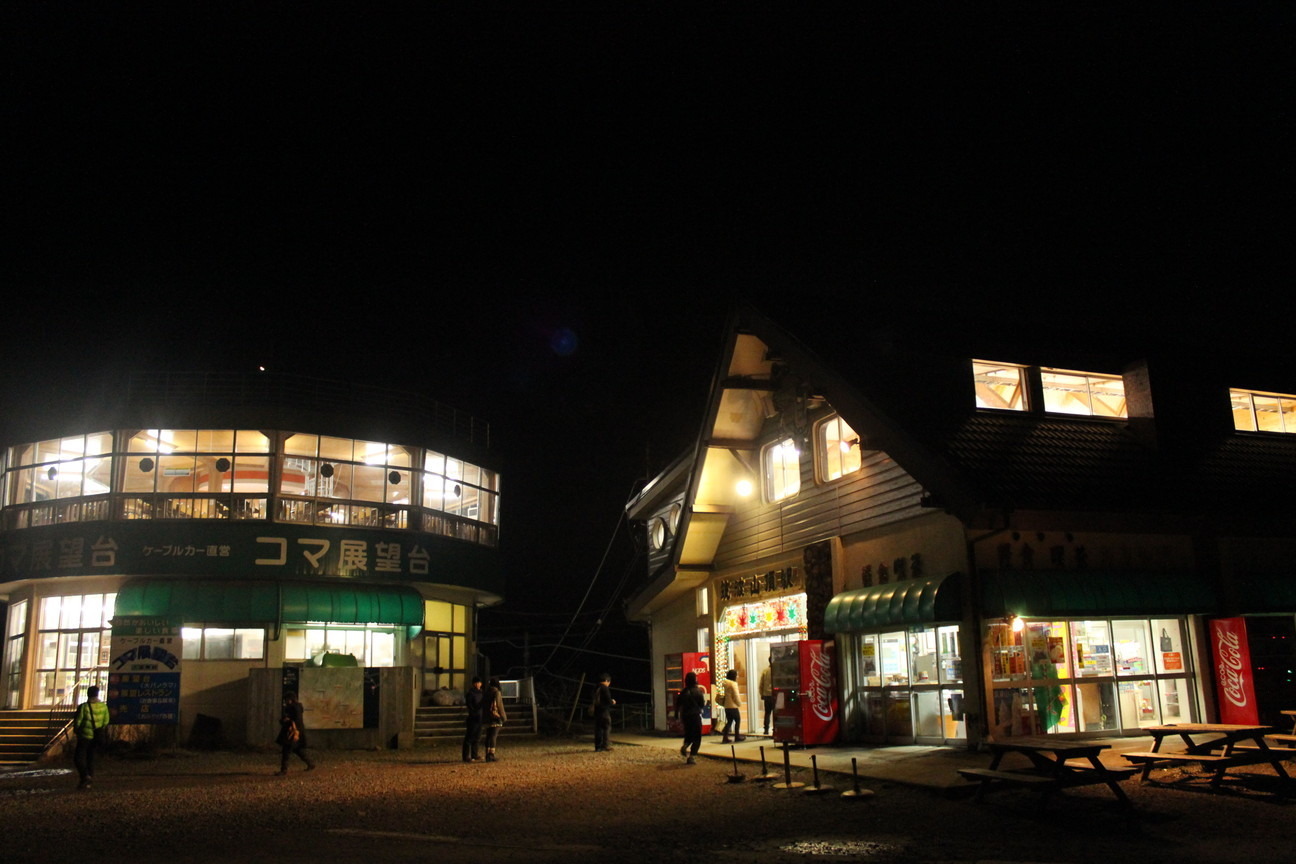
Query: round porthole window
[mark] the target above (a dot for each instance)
(657, 533)
(674, 517)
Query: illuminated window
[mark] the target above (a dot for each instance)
(837, 446)
(1263, 412)
(781, 464)
(1083, 393)
(370, 644)
(999, 385)
(460, 488)
(223, 643)
(73, 644)
(332, 470)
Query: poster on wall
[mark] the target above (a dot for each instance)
(144, 673)
(333, 697)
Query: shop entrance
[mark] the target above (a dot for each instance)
(750, 657)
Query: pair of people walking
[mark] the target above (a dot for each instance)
(485, 706)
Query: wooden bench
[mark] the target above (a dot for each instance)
(1020, 778)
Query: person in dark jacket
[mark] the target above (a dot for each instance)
(689, 705)
(91, 716)
(493, 717)
(475, 702)
(292, 733)
(603, 703)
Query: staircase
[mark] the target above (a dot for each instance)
(24, 735)
(443, 724)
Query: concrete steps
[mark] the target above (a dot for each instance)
(24, 734)
(443, 723)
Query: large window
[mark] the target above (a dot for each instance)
(1263, 412)
(838, 449)
(194, 474)
(1089, 676)
(15, 653)
(370, 644)
(346, 482)
(59, 480)
(460, 488)
(781, 467)
(74, 641)
(223, 643)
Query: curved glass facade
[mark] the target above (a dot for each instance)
(241, 474)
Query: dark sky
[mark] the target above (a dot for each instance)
(543, 216)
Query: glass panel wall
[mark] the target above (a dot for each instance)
(906, 685)
(74, 644)
(1088, 676)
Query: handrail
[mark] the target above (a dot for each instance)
(67, 703)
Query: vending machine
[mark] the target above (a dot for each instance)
(806, 709)
(677, 666)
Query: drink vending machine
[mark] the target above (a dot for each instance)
(806, 709)
(677, 666)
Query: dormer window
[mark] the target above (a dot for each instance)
(1083, 393)
(1263, 412)
(999, 385)
(1005, 387)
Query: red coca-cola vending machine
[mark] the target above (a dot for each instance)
(1234, 678)
(806, 709)
(677, 666)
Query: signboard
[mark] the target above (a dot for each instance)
(144, 673)
(244, 550)
(1233, 680)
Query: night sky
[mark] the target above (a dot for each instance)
(543, 218)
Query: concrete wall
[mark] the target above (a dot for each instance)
(397, 698)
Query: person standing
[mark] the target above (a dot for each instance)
(493, 717)
(732, 707)
(292, 733)
(89, 724)
(603, 703)
(475, 702)
(689, 705)
(766, 688)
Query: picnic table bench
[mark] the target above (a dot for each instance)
(1224, 746)
(1054, 763)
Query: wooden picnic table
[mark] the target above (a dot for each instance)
(1055, 763)
(1239, 745)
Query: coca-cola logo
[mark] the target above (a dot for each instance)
(820, 688)
(1228, 649)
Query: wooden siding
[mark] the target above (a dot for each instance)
(881, 493)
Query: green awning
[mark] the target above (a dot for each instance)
(1090, 593)
(912, 601)
(235, 602)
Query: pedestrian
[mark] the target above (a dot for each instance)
(732, 707)
(475, 702)
(766, 688)
(91, 727)
(493, 717)
(292, 733)
(689, 705)
(603, 703)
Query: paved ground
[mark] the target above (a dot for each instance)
(554, 800)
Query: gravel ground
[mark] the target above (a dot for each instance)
(556, 800)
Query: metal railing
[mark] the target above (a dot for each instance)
(56, 726)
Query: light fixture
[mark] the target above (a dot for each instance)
(744, 488)
(1018, 623)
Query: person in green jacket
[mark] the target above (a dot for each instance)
(91, 717)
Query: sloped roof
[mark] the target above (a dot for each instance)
(907, 393)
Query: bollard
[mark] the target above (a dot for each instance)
(856, 792)
(765, 775)
(788, 782)
(816, 789)
(735, 777)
